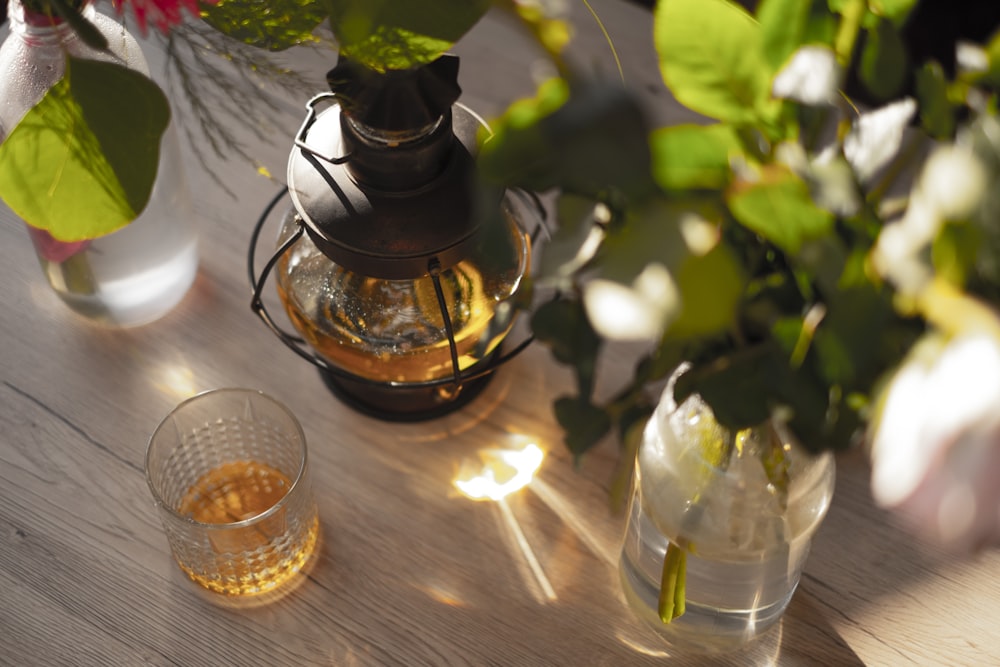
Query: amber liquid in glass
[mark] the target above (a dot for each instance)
(261, 555)
(393, 330)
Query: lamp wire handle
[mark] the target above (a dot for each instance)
(434, 269)
(300, 136)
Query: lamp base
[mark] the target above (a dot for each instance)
(402, 404)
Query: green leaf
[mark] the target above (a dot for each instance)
(745, 386)
(584, 424)
(992, 75)
(712, 59)
(693, 156)
(595, 143)
(855, 318)
(937, 115)
(274, 25)
(563, 326)
(711, 287)
(784, 24)
(770, 299)
(394, 34)
(896, 11)
(884, 63)
(780, 209)
(954, 252)
(78, 164)
(740, 387)
(650, 233)
(85, 30)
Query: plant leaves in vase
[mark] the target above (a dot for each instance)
(95, 163)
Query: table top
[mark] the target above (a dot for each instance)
(410, 571)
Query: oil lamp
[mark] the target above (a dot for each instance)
(394, 266)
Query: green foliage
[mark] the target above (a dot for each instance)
(711, 288)
(266, 24)
(380, 34)
(693, 156)
(564, 327)
(896, 11)
(78, 164)
(955, 252)
(389, 34)
(883, 61)
(937, 113)
(589, 141)
(779, 208)
(583, 423)
(788, 24)
(712, 59)
(768, 243)
(992, 74)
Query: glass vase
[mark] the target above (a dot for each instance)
(136, 274)
(719, 526)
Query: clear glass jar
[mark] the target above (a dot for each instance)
(140, 272)
(724, 520)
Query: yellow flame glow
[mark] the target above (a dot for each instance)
(503, 472)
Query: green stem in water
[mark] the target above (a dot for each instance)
(672, 583)
(75, 274)
(673, 579)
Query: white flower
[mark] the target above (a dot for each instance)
(897, 256)
(700, 235)
(812, 76)
(830, 177)
(639, 312)
(951, 186)
(971, 58)
(953, 181)
(936, 445)
(876, 137)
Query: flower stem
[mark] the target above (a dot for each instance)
(847, 32)
(672, 583)
(673, 579)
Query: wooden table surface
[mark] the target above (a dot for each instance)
(410, 571)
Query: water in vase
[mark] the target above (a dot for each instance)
(138, 273)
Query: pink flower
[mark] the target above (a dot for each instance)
(936, 445)
(164, 14)
(53, 250)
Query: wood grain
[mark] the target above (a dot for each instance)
(410, 573)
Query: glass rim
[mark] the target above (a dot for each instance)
(242, 523)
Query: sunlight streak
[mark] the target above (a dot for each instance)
(497, 474)
(529, 555)
(564, 510)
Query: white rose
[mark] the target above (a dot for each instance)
(936, 444)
